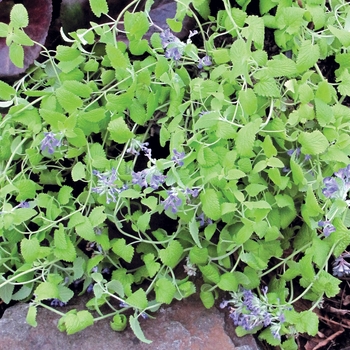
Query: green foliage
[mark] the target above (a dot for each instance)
(234, 193)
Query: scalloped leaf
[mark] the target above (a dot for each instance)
(39, 14)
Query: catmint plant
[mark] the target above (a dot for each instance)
(240, 193)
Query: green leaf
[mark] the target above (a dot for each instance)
(143, 221)
(77, 88)
(151, 265)
(304, 322)
(4, 30)
(136, 25)
(246, 137)
(138, 299)
(75, 321)
(228, 282)
(324, 112)
(117, 57)
(78, 171)
(313, 142)
(210, 273)
(6, 91)
(67, 53)
(210, 204)
(19, 16)
(68, 100)
(297, 172)
(119, 322)
(198, 256)
(254, 31)
(341, 34)
(221, 56)
(308, 55)
(99, 7)
(46, 290)
(85, 229)
(135, 326)
(64, 293)
(16, 54)
(207, 298)
(60, 240)
(165, 290)
(281, 66)
(26, 189)
(248, 101)
(6, 292)
(119, 131)
(312, 207)
(123, 250)
(31, 316)
(64, 194)
(68, 254)
(344, 85)
(64, 248)
(341, 237)
(30, 249)
(267, 87)
(138, 112)
(171, 255)
(97, 216)
(207, 157)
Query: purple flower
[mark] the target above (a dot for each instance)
(136, 146)
(178, 157)
(50, 142)
(224, 303)
(173, 53)
(172, 202)
(106, 185)
(56, 302)
(139, 178)
(341, 267)
(344, 173)
(174, 47)
(145, 176)
(167, 37)
(291, 152)
(106, 270)
(331, 188)
(23, 204)
(201, 219)
(204, 62)
(90, 288)
(157, 180)
(328, 228)
(192, 33)
(193, 192)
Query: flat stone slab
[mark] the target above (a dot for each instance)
(184, 325)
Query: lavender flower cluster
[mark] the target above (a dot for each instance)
(50, 142)
(341, 267)
(250, 311)
(151, 176)
(337, 186)
(174, 200)
(106, 185)
(174, 47)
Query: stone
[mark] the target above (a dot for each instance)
(184, 325)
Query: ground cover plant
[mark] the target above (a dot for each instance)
(131, 169)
